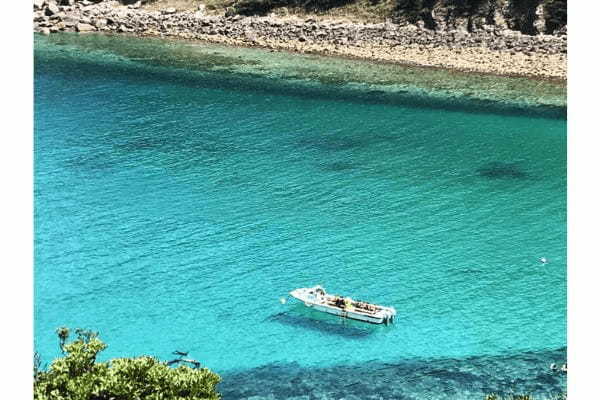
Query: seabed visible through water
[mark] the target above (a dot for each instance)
(182, 189)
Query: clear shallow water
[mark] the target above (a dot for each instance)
(181, 190)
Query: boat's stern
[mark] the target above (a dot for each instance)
(388, 314)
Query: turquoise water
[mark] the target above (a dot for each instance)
(176, 204)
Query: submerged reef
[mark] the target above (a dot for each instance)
(467, 378)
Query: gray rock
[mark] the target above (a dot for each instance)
(478, 23)
(561, 32)
(38, 4)
(169, 11)
(252, 36)
(52, 9)
(71, 21)
(499, 20)
(540, 21)
(100, 23)
(461, 25)
(45, 31)
(85, 28)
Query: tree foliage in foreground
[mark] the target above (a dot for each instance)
(77, 376)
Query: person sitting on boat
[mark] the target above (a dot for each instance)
(348, 303)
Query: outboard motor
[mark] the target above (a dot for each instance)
(389, 315)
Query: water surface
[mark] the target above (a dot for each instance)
(181, 189)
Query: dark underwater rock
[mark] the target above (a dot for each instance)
(500, 170)
(464, 378)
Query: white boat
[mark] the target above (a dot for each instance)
(316, 297)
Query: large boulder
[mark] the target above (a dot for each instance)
(70, 21)
(85, 28)
(38, 4)
(52, 9)
(100, 23)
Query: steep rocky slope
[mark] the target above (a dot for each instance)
(527, 16)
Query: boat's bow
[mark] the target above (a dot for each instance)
(298, 294)
(308, 295)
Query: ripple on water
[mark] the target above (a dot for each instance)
(171, 195)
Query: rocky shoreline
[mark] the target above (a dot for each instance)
(486, 50)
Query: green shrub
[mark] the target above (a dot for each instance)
(77, 376)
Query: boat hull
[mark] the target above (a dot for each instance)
(346, 314)
(317, 298)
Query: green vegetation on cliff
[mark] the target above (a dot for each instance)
(527, 16)
(77, 376)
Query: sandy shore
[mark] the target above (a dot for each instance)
(488, 51)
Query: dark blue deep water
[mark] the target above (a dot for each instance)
(181, 191)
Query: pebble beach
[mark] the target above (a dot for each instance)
(489, 50)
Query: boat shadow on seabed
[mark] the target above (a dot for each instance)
(327, 324)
